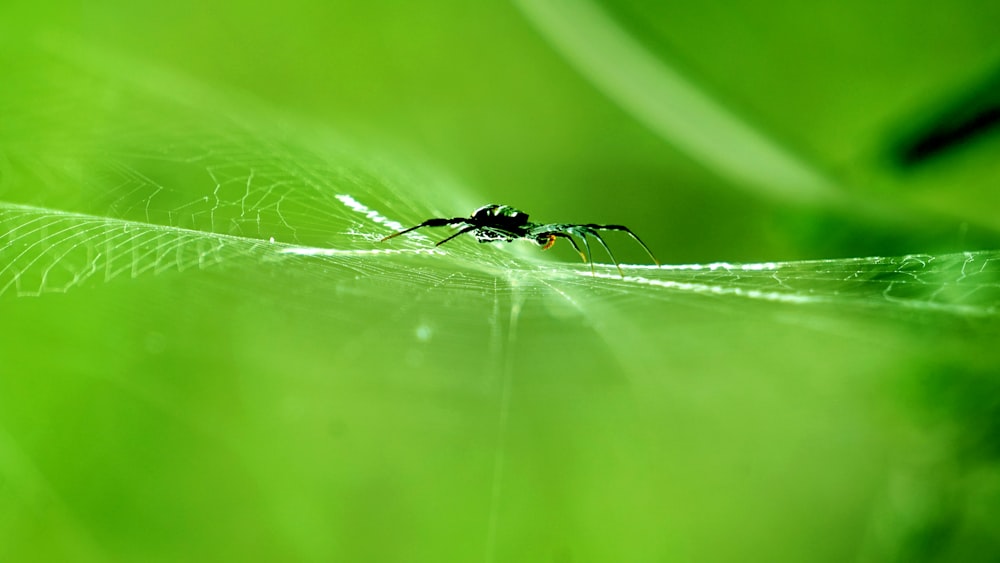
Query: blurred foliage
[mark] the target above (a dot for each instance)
(198, 393)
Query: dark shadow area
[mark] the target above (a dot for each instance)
(970, 117)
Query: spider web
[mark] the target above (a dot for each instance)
(206, 187)
(607, 396)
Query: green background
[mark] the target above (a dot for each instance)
(207, 356)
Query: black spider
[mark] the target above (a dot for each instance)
(504, 223)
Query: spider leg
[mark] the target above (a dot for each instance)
(592, 232)
(626, 230)
(586, 244)
(427, 223)
(461, 232)
(572, 241)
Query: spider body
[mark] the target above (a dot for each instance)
(492, 223)
(498, 223)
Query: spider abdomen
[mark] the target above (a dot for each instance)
(503, 216)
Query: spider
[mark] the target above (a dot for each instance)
(494, 222)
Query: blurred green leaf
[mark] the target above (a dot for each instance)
(208, 356)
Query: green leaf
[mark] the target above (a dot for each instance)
(672, 106)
